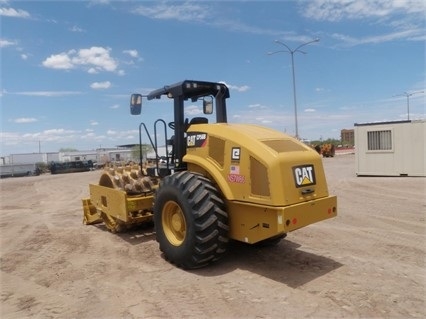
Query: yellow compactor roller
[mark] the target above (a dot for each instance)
(219, 181)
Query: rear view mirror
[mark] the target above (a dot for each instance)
(135, 104)
(208, 105)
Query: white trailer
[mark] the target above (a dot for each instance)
(16, 170)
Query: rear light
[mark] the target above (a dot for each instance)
(331, 210)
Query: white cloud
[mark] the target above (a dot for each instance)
(61, 137)
(99, 2)
(310, 110)
(47, 93)
(6, 43)
(187, 11)
(88, 135)
(10, 138)
(208, 14)
(193, 110)
(132, 53)
(115, 106)
(94, 123)
(404, 19)
(242, 88)
(57, 131)
(76, 29)
(59, 61)
(51, 135)
(120, 135)
(10, 12)
(92, 71)
(111, 132)
(203, 13)
(257, 106)
(25, 120)
(262, 120)
(413, 34)
(100, 85)
(134, 58)
(24, 56)
(268, 117)
(95, 58)
(336, 10)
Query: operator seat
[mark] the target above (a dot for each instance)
(194, 120)
(199, 120)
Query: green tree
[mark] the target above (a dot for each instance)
(42, 167)
(146, 148)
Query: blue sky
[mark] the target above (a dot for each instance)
(68, 67)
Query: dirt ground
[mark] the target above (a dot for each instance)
(369, 262)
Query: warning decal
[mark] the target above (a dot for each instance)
(304, 175)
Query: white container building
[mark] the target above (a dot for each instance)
(391, 148)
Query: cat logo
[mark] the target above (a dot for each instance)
(304, 175)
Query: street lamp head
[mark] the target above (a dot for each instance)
(279, 42)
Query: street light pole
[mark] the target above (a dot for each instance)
(407, 95)
(294, 77)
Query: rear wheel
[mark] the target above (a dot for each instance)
(174, 223)
(190, 220)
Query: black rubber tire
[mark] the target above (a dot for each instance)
(203, 236)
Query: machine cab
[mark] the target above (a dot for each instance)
(213, 96)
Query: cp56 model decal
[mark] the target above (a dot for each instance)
(304, 175)
(196, 139)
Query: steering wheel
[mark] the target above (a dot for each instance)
(172, 124)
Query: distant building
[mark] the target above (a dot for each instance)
(120, 155)
(100, 156)
(347, 137)
(29, 158)
(391, 148)
(78, 156)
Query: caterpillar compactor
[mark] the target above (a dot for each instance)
(218, 181)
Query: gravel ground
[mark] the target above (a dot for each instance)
(368, 262)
